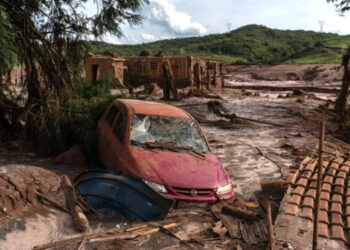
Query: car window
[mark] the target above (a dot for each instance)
(120, 125)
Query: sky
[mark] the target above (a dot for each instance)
(164, 19)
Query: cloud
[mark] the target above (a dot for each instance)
(164, 15)
(148, 37)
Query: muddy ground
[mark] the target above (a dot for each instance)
(285, 130)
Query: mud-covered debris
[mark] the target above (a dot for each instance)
(75, 156)
(219, 229)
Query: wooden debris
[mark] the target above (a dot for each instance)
(270, 227)
(53, 202)
(219, 229)
(76, 212)
(230, 222)
(240, 213)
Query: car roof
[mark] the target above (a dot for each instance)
(154, 108)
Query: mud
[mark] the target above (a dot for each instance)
(251, 153)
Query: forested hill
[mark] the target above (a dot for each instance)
(251, 44)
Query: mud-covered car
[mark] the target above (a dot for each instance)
(164, 146)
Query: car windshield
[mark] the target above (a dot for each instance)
(183, 133)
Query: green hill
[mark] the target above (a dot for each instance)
(251, 44)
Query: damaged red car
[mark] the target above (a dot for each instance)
(164, 146)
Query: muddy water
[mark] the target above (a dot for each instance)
(237, 148)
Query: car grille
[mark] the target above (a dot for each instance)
(193, 192)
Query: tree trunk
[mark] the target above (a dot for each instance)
(341, 102)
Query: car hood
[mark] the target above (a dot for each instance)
(179, 169)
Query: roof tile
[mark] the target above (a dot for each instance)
(292, 178)
(323, 230)
(341, 174)
(323, 217)
(347, 210)
(328, 179)
(306, 213)
(337, 232)
(294, 199)
(310, 166)
(347, 200)
(308, 202)
(331, 172)
(291, 209)
(324, 205)
(324, 195)
(339, 160)
(314, 177)
(336, 219)
(347, 163)
(306, 174)
(347, 222)
(339, 182)
(313, 184)
(299, 190)
(334, 166)
(348, 191)
(337, 198)
(338, 190)
(302, 182)
(311, 193)
(336, 208)
(326, 187)
(344, 168)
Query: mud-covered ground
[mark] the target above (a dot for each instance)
(285, 130)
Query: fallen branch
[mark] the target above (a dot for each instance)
(271, 160)
(53, 202)
(240, 213)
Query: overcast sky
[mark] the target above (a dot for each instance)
(182, 18)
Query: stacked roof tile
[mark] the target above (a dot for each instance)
(334, 214)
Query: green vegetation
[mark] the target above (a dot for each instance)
(251, 44)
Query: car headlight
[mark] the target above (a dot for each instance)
(224, 189)
(156, 187)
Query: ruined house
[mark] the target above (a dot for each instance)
(137, 71)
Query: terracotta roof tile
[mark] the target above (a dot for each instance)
(299, 190)
(334, 166)
(348, 191)
(336, 219)
(291, 209)
(347, 163)
(323, 230)
(292, 178)
(328, 179)
(324, 195)
(313, 184)
(308, 202)
(323, 217)
(314, 177)
(324, 205)
(306, 160)
(341, 174)
(337, 198)
(294, 199)
(347, 200)
(306, 213)
(306, 174)
(337, 232)
(326, 187)
(339, 160)
(302, 182)
(338, 190)
(311, 193)
(348, 186)
(347, 222)
(331, 172)
(344, 168)
(339, 182)
(336, 208)
(347, 210)
(310, 166)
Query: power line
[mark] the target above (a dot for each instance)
(321, 23)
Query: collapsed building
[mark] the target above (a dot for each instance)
(132, 72)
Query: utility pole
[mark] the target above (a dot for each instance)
(321, 23)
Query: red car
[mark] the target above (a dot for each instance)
(164, 146)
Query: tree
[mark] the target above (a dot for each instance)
(341, 103)
(46, 37)
(145, 52)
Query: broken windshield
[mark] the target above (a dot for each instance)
(183, 133)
